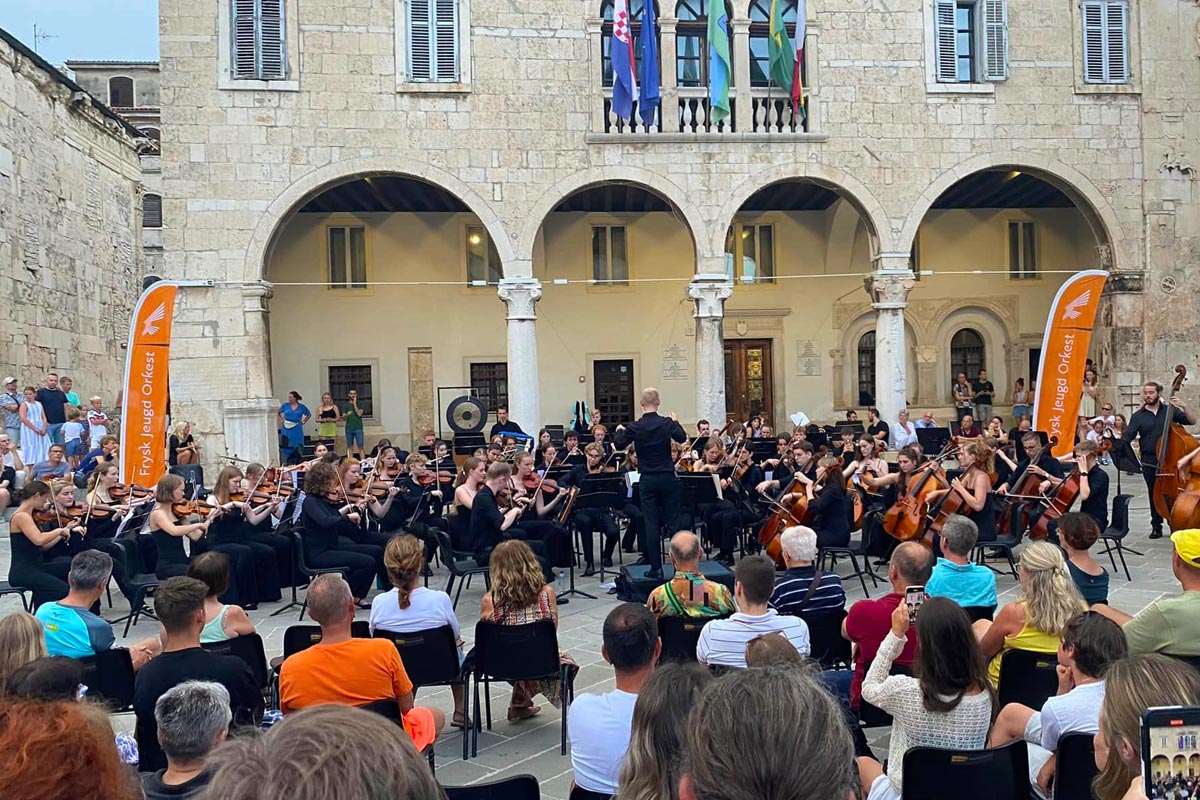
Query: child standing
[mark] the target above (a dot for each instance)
(73, 437)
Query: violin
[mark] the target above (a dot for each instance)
(189, 507)
(1173, 444)
(532, 481)
(1063, 498)
(441, 476)
(119, 490)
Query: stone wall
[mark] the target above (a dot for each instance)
(70, 227)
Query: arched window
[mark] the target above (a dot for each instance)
(866, 369)
(151, 211)
(967, 354)
(760, 29)
(152, 133)
(636, 8)
(120, 92)
(691, 42)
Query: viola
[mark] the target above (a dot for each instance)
(1173, 444)
(1063, 498)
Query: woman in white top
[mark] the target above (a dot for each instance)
(410, 607)
(221, 621)
(951, 705)
(904, 433)
(35, 444)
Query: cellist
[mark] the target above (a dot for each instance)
(1093, 484)
(1146, 425)
(1046, 466)
(828, 499)
(975, 487)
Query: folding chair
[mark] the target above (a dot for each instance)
(1001, 773)
(1003, 544)
(430, 658)
(679, 636)
(109, 677)
(1114, 536)
(390, 710)
(297, 638)
(461, 565)
(829, 647)
(19, 591)
(301, 567)
(520, 787)
(134, 584)
(1028, 678)
(977, 613)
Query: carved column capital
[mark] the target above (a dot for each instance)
(255, 295)
(889, 289)
(710, 293)
(521, 296)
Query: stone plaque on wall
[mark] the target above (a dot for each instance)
(675, 363)
(808, 358)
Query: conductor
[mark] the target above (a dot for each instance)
(652, 436)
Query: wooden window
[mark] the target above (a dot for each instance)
(613, 379)
(343, 378)
(1106, 41)
(1022, 250)
(966, 355)
(866, 369)
(610, 258)
(151, 211)
(970, 40)
(120, 92)
(750, 253)
(433, 47)
(259, 50)
(489, 380)
(347, 257)
(483, 261)
(152, 133)
(691, 43)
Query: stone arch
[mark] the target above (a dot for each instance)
(1079, 188)
(850, 336)
(273, 219)
(999, 331)
(833, 178)
(644, 179)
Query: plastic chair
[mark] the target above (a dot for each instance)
(977, 613)
(517, 653)
(1005, 545)
(460, 564)
(1075, 767)
(301, 567)
(829, 647)
(998, 774)
(679, 636)
(249, 648)
(297, 638)
(19, 591)
(1028, 678)
(520, 787)
(109, 677)
(1114, 536)
(430, 658)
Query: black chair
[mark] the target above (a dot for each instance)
(301, 567)
(998, 774)
(517, 653)
(1075, 767)
(8, 588)
(1003, 544)
(109, 677)
(1028, 678)
(521, 787)
(829, 647)
(297, 638)
(460, 564)
(977, 613)
(1114, 536)
(679, 636)
(587, 794)
(828, 556)
(193, 479)
(389, 709)
(249, 648)
(874, 717)
(431, 659)
(134, 584)
(1193, 661)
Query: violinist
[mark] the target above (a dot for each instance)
(587, 520)
(830, 503)
(975, 487)
(490, 525)
(1146, 425)
(466, 486)
(546, 458)
(728, 517)
(783, 451)
(65, 511)
(495, 453)
(103, 526)
(419, 509)
(354, 490)
(571, 454)
(169, 531)
(1093, 484)
(388, 466)
(867, 463)
(526, 480)
(712, 459)
(30, 568)
(263, 531)
(328, 521)
(253, 570)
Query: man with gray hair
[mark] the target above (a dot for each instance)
(193, 718)
(954, 576)
(801, 590)
(72, 629)
(688, 593)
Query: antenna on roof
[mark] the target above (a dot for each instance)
(40, 36)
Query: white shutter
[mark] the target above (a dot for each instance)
(273, 55)
(1116, 45)
(945, 54)
(420, 65)
(995, 40)
(244, 40)
(446, 39)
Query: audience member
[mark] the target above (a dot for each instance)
(55, 465)
(54, 405)
(21, 641)
(1090, 643)
(10, 406)
(1077, 532)
(343, 670)
(723, 641)
(60, 750)
(950, 705)
(1035, 621)
(12, 472)
(97, 420)
(179, 606)
(1170, 624)
(67, 384)
(599, 724)
(1132, 685)
(72, 629)
(689, 593)
(221, 621)
(73, 433)
(50, 679)
(798, 590)
(193, 718)
(955, 576)
(743, 742)
(654, 761)
(324, 753)
(772, 648)
(868, 621)
(104, 451)
(35, 439)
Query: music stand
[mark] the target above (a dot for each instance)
(696, 489)
(933, 440)
(604, 492)
(761, 449)
(817, 438)
(699, 443)
(1124, 459)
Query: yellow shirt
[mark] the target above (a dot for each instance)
(1026, 639)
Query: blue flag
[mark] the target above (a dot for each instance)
(624, 70)
(648, 41)
(719, 62)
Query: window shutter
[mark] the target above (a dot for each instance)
(273, 59)
(420, 66)
(1117, 42)
(995, 39)
(944, 50)
(446, 39)
(1093, 42)
(245, 64)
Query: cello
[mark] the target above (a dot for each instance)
(1063, 498)
(954, 502)
(1023, 485)
(798, 513)
(906, 519)
(1174, 444)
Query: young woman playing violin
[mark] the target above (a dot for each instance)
(388, 468)
(975, 488)
(281, 489)
(868, 462)
(253, 570)
(169, 531)
(353, 489)
(418, 510)
(105, 511)
(526, 480)
(328, 520)
(30, 568)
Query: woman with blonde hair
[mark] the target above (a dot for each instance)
(181, 446)
(654, 761)
(327, 419)
(1048, 599)
(22, 640)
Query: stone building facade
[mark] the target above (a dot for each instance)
(70, 224)
(361, 203)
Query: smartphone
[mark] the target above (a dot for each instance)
(1169, 740)
(914, 596)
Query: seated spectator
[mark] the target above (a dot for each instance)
(1035, 621)
(12, 472)
(1132, 685)
(654, 761)
(105, 452)
(723, 641)
(409, 607)
(772, 648)
(726, 758)
(193, 718)
(954, 576)
(1077, 532)
(60, 750)
(342, 670)
(1170, 624)
(21, 640)
(221, 621)
(794, 593)
(599, 724)
(55, 465)
(949, 706)
(324, 753)
(688, 593)
(179, 606)
(868, 621)
(1090, 643)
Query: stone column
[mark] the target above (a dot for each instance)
(668, 89)
(255, 297)
(710, 291)
(596, 59)
(250, 430)
(740, 45)
(889, 290)
(524, 403)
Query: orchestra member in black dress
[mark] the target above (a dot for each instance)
(29, 568)
(587, 520)
(831, 505)
(253, 571)
(169, 531)
(490, 525)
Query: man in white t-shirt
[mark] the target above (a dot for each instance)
(723, 641)
(599, 724)
(1089, 644)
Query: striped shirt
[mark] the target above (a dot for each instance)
(723, 641)
(793, 585)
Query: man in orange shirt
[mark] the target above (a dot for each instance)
(342, 670)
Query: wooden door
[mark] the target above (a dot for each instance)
(749, 388)
(613, 379)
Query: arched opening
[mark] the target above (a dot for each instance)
(152, 133)
(120, 92)
(967, 354)
(614, 259)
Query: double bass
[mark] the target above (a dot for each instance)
(1173, 444)
(1063, 498)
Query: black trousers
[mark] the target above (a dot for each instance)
(243, 575)
(359, 560)
(47, 582)
(281, 547)
(587, 521)
(660, 506)
(1150, 474)
(637, 524)
(376, 541)
(726, 524)
(426, 530)
(555, 539)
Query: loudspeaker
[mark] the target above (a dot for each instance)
(634, 587)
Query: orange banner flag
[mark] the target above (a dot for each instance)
(1064, 357)
(144, 417)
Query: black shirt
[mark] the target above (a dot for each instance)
(486, 521)
(322, 523)
(1047, 462)
(652, 435)
(154, 788)
(832, 510)
(880, 427)
(1148, 426)
(169, 670)
(505, 427)
(985, 390)
(54, 403)
(1096, 505)
(406, 503)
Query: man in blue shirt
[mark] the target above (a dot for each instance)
(72, 630)
(954, 576)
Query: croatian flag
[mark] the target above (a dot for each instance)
(625, 88)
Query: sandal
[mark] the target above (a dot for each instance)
(523, 712)
(458, 721)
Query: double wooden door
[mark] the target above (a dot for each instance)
(749, 388)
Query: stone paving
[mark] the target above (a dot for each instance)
(532, 746)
